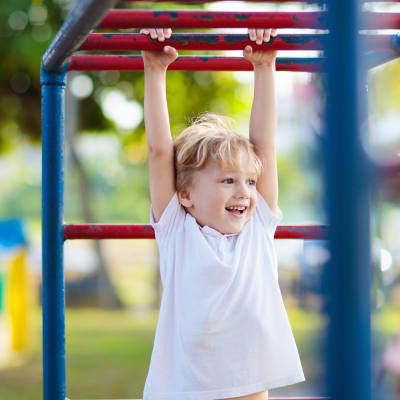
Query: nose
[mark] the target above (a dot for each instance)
(242, 190)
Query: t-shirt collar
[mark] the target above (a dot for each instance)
(206, 230)
(212, 232)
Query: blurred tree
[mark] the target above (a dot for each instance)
(26, 30)
(384, 87)
(383, 143)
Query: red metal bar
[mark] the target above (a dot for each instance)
(375, 20)
(125, 19)
(305, 232)
(198, 41)
(130, 231)
(202, 41)
(189, 63)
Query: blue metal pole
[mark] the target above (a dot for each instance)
(347, 274)
(53, 299)
(80, 21)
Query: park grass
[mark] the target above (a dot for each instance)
(108, 353)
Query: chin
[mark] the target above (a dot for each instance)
(235, 230)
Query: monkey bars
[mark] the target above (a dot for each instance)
(204, 41)
(190, 63)
(178, 19)
(80, 21)
(348, 171)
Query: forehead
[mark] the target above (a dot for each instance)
(245, 166)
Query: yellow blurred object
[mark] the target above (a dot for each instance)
(17, 300)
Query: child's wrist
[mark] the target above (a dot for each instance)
(264, 66)
(155, 68)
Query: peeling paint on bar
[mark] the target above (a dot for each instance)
(189, 63)
(204, 18)
(172, 14)
(242, 17)
(127, 19)
(200, 41)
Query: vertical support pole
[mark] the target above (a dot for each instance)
(347, 274)
(53, 298)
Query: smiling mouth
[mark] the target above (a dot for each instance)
(236, 211)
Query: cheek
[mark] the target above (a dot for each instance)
(254, 202)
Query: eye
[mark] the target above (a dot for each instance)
(228, 180)
(251, 182)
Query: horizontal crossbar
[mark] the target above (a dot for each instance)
(203, 41)
(127, 19)
(133, 231)
(189, 63)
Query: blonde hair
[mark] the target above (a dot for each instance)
(210, 137)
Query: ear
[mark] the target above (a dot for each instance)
(184, 199)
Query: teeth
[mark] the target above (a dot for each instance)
(236, 208)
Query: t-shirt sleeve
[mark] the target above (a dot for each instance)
(170, 221)
(268, 219)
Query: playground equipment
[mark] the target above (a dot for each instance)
(348, 170)
(13, 287)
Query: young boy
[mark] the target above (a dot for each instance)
(223, 331)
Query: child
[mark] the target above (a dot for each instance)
(223, 331)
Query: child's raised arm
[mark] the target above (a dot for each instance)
(263, 118)
(158, 132)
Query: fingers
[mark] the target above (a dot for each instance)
(170, 51)
(167, 32)
(252, 34)
(247, 52)
(267, 35)
(157, 33)
(262, 35)
(160, 34)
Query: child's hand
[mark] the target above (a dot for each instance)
(260, 57)
(159, 59)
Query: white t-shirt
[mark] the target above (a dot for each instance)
(222, 330)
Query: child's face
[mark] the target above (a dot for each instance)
(216, 192)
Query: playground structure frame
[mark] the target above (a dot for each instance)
(348, 182)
